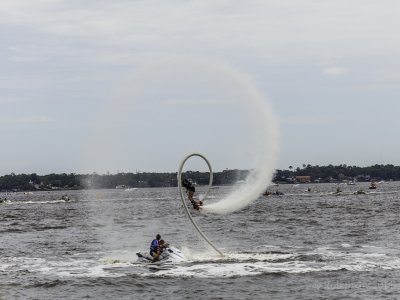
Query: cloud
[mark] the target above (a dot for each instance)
(4, 99)
(203, 101)
(335, 71)
(306, 120)
(28, 120)
(267, 29)
(34, 119)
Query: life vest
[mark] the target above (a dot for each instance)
(154, 246)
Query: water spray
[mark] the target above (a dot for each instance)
(205, 196)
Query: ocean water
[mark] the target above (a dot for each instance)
(301, 245)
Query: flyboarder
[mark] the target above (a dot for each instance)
(190, 189)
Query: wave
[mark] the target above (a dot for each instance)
(36, 202)
(319, 260)
(339, 258)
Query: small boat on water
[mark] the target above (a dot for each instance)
(359, 192)
(372, 186)
(277, 193)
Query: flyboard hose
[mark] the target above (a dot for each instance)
(205, 196)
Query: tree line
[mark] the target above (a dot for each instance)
(30, 182)
(340, 173)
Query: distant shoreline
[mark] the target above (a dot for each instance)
(307, 174)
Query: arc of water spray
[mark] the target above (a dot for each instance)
(205, 196)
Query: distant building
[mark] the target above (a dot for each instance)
(363, 178)
(303, 179)
(331, 179)
(121, 186)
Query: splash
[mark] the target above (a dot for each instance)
(168, 107)
(266, 133)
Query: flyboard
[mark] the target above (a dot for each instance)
(205, 196)
(172, 255)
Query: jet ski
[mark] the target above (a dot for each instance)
(170, 255)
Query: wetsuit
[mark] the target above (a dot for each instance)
(188, 185)
(154, 247)
(191, 189)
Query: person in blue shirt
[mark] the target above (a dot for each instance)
(156, 247)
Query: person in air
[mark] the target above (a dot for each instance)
(155, 248)
(190, 189)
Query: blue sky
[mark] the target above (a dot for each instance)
(329, 70)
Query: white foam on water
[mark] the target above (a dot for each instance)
(123, 263)
(119, 257)
(70, 267)
(259, 256)
(252, 264)
(36, 202)
(205, 255)
(213, 270)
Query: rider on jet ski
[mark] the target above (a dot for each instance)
(157, 246)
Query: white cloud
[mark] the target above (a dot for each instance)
(269, 29)
(28, 120)
(4, 99)
(34, 119)
(335, 71)
(21, 81)
(306, 120)
(201, 102)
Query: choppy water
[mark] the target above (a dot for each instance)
(302, 245)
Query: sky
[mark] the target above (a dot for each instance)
(120, 86)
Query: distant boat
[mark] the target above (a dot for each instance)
(121, 187)
(277, 193)
(338, 191)
(372, 186)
